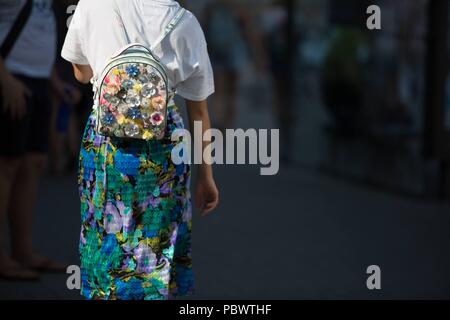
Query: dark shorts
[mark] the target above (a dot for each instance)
(30, 134)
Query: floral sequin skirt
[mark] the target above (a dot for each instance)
(135, 241)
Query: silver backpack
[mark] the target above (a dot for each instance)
(132, 93)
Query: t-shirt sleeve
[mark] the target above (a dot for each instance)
(73, 48)
(198, 84)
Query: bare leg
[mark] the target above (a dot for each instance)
(26, 184)
(8, 267)
(55, 141)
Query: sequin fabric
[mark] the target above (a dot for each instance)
(135, 241)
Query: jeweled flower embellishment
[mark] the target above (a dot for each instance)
(157, 118)
(123, 108)
(137, 88)
(148, 91)
(134, 113)
(109, 99)
(133, 100)
(154, 78)
(131, 129)
(158, 103)
(127, 84)
(143, 79)
(104, 101)
(112, 84)
(132, 70)
(109, 119)
(121, 119)
(146, 114)
(147, 135)
(146, 102)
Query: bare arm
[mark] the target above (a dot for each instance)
(83, 73)
(206, 193)
(13, 93)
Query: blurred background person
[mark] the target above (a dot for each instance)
(274, 22)
(64, 135)
(343, 85)
(230, 37)
(68, 115)
(27, 78)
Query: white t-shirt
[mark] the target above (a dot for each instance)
(95, 35)
(34, 52)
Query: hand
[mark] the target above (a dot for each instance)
(206, 195)
(14, 96)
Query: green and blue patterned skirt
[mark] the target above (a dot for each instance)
(136, 213)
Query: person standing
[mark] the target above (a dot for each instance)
(135, 240)
(26, 79)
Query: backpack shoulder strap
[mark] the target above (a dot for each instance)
(168, 29)
(16, 29)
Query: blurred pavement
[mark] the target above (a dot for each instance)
(296, 235)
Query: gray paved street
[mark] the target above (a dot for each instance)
(297, 235)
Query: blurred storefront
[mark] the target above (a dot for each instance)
(370, 106)
(370, 103)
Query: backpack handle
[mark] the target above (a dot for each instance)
(132, 45)
(169, 28)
